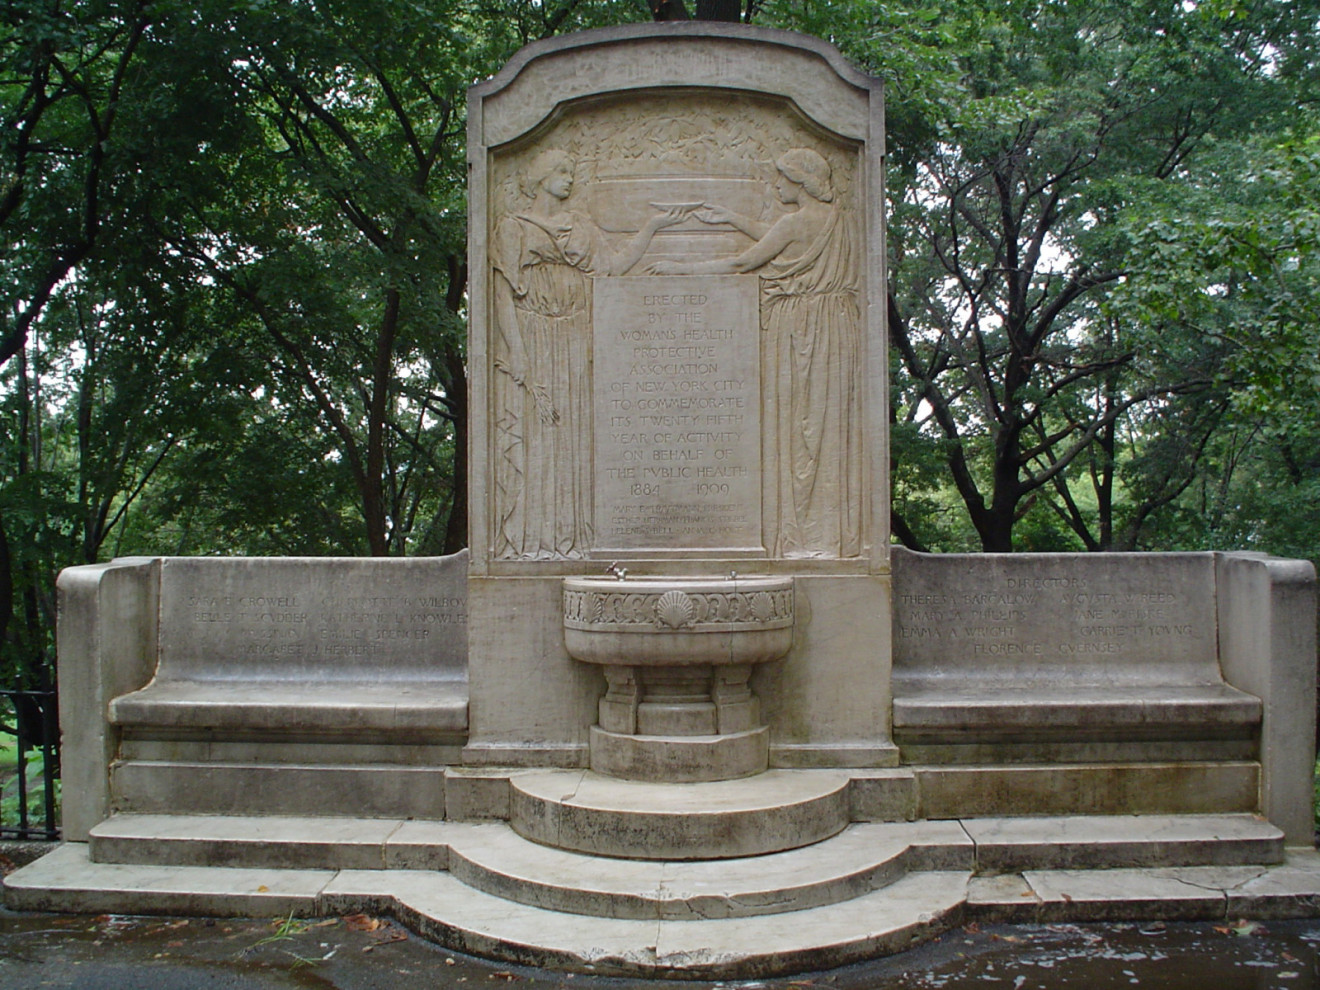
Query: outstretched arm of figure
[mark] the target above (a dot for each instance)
(769, 247)
(755, 229)
(632, 252)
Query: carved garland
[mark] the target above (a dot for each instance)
(673, 610)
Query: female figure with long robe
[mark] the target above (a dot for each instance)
(543, 259)
(811, 358)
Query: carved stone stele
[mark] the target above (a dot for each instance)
(677, 362)
(678, 348)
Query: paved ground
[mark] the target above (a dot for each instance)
(113, 952)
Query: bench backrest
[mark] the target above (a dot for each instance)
(1096, 619)
(322, 618)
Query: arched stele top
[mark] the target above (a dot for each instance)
(549, 73)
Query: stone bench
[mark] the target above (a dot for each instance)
(420, 710)
(349, 648)
(1090, 657)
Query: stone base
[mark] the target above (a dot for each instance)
(679, 759)
(871, 890)
(586, 812)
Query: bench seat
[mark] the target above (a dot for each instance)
(417, 709)
(1071, 711)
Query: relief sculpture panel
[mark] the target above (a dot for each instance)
(614, 193)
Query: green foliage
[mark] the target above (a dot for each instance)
(35, 792)
(1046, 160)
(234, 274)
(235, 239)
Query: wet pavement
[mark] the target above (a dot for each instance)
(113, 952)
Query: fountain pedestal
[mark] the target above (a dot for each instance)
(677, 654)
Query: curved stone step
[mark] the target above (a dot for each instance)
(858, 860)
(590, 813)
(438, 906)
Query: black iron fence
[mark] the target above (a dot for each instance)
(29, 797)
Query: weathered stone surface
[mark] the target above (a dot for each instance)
(320, 646)
(586, 812)
(372, 791)
(634, 319)
(1006, 845)
(679, 759)
(106, 636)
(475, 793)
(676, 397)
(1268, 647)
(871, 890)
(1091, 657)
(883, 795)
(1087, 789)
(252, 842)
(65, 880)
(634, 326)
(858, 860)
(1066, 621)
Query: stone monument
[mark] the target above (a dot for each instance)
(677, 362)
(680, 710)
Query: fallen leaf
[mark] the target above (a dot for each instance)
(326, 923)
(263, 889)
(504, 975)
(362, 923)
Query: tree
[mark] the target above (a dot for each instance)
(1012, 160)
(63, 74)
(1240, 265)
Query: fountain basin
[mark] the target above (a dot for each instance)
(677, 654)
(677, 621)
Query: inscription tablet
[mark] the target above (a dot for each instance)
(677, 413)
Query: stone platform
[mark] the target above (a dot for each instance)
(782, 872)
(872, 889)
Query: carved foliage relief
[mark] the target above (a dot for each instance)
(652, 193)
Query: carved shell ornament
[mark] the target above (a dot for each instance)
(762, 606)
(675, 609)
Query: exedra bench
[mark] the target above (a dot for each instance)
(306, 648)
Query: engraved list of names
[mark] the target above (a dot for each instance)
(677, 421)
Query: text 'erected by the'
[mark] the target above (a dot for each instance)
(678, 419)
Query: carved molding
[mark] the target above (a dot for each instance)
(675, 611)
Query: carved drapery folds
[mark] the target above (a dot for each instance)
(694, 184)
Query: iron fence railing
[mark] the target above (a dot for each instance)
(36, 730)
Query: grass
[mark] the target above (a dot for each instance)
(36, 795)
